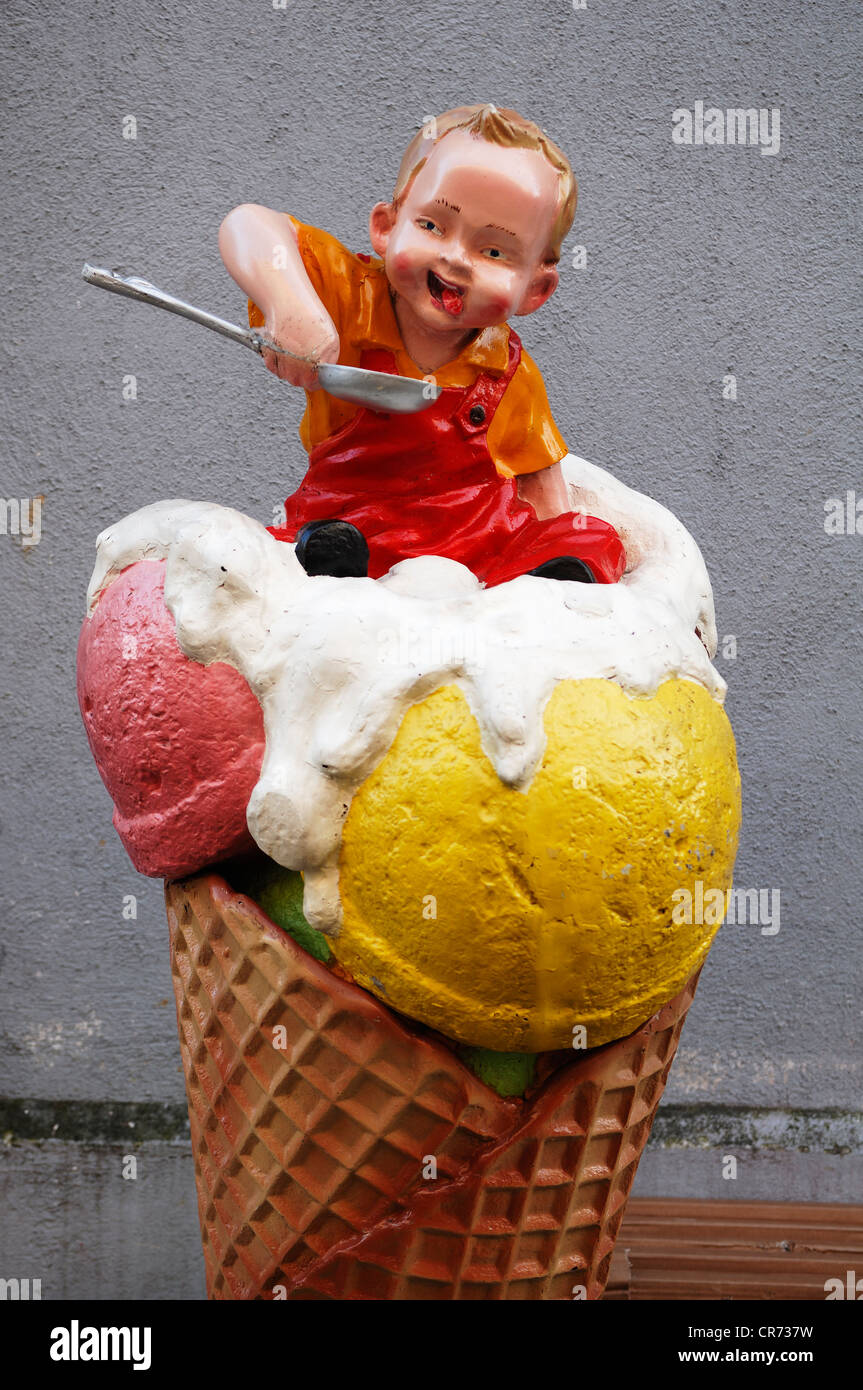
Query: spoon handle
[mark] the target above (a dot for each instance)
(135, 287)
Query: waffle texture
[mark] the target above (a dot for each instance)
(342, 1153)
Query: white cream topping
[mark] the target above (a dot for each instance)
(336, 662)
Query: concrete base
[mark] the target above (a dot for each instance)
(73, 1221)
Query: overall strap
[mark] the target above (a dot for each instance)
(378, 360)
(476, 411)
(479, 402)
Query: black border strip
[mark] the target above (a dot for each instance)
(676, 1126)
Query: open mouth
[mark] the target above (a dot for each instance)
(448, 296)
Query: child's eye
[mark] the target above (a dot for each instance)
(427, 224)
(494, 253)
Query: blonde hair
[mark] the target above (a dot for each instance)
(499, 127)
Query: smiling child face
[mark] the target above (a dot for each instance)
(466, 246)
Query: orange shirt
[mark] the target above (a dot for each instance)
(522, 437)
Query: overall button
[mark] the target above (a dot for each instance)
(477, 414)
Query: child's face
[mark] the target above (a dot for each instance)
(465, 248)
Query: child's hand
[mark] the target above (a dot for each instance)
(546, 492)
(305, 342)
(260, 250)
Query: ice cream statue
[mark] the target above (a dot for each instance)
(428, 767)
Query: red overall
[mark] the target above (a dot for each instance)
(426, 484)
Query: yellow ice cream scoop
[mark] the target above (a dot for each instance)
(540, 918)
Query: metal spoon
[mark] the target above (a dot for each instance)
(399, 395)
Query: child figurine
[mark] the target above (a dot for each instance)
(472, 236)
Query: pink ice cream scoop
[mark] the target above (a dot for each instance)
(178, 745)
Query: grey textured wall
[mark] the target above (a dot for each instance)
(700, 262)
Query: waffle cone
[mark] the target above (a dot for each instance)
(316, 1111)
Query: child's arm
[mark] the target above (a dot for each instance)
(546, 492)
(259, 248)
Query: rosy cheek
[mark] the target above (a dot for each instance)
(499, 306)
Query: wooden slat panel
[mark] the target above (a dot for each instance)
(670, 1249)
